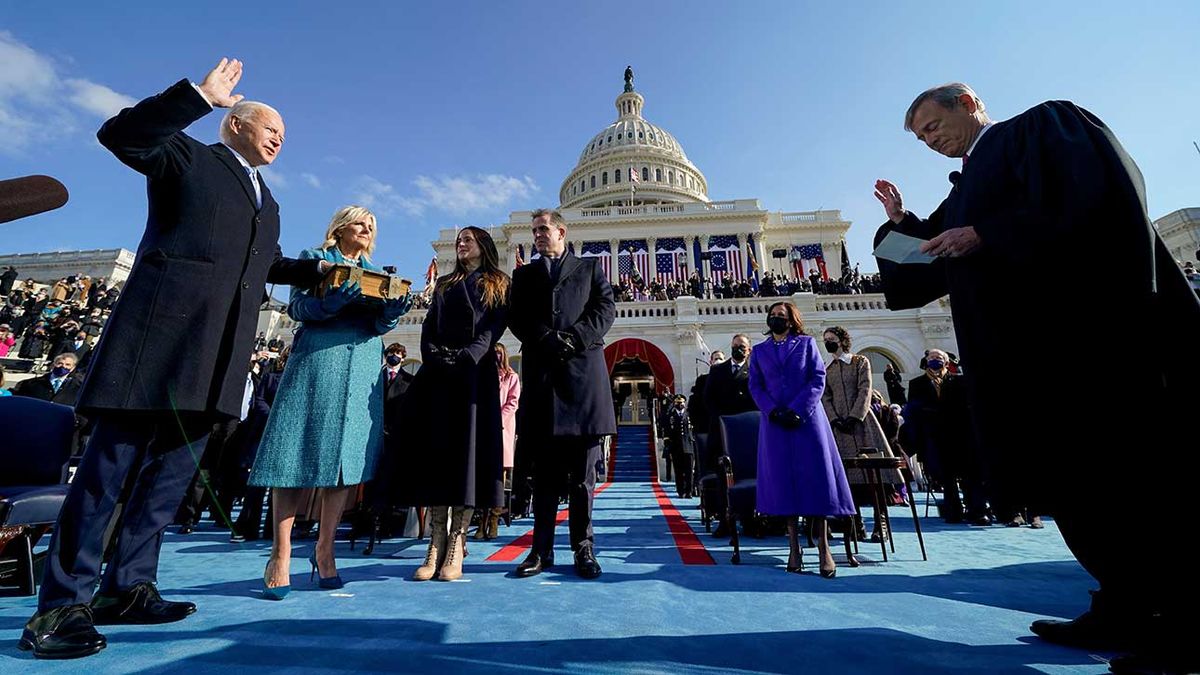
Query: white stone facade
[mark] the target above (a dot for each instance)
(1180, 231)
(113, 264)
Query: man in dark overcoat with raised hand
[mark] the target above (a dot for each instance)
(1046, 186)
(171, 360)
(561, 308)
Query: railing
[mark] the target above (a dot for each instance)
(851, 303)
(720, 307)
(646, 309)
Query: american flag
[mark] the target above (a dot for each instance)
(812, 259)
(431, 274)
(520, 256)
(634, 176)
(639, 258)
(725, 258)
(598, 249)
(670, 259)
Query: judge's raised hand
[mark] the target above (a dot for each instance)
(219, 83)
(889, 195)
(953, 243)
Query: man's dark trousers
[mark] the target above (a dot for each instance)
(564, 464)
(150, 455)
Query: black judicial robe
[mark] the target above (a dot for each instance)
(1050, 189)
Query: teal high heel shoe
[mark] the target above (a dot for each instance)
(276, 593)
(331, 583)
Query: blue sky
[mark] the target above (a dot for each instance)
(445, 114)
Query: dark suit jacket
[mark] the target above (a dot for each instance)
(572, 398)
(726, 393)
(393, 399)
(189, 310)
(40, 387)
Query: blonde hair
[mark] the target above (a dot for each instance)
(345, 216)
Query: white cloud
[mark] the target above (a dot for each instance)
(274, 179)
(461, 194)
(312, 180)
(383, 198)
(457, 195)
(97, 98)
(37, 103)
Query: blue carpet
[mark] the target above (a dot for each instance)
(965, 610)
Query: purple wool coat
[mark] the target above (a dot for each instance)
(799, 470)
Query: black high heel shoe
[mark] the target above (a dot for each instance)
(829, 573)
(798, 567)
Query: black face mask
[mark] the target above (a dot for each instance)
(394, 360)
(777, 324)
(739, 352)
(831, 346)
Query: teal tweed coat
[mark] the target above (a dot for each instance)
(326, 425)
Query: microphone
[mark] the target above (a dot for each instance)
(30, 195)
(954, 176)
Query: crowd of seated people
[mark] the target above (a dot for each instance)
(633, 287)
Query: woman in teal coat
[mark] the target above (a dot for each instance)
(326, 425)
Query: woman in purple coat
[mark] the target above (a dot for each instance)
(799, 470)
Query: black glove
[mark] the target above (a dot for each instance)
(445, 357)
(849, 424)
(560, 344)
(785, 417)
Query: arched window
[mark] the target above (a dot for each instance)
(658, 175)
(617, 176)
(645, 173)
(618, 136)
(604, 178)
(610, 139)
(593, 181)
(671, 177)
(582, 186)
(641, 134)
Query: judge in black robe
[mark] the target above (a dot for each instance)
(1046, 188)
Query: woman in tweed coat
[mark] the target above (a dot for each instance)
(325, 429)
(847, 401)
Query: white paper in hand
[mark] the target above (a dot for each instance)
(903, 249)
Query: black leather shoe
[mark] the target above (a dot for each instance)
(139, 605)
(586, 565)
(186, 528)
(534, 563)
(1086, 631)
(62, 633)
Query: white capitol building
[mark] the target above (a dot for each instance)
(664, 220)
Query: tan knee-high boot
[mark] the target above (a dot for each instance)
(460, 516)
(437, 544)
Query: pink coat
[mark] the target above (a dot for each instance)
(510, 394)
(6, 343)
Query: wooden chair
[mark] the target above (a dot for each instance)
(874, 466)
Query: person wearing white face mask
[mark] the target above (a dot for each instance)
(847, 401)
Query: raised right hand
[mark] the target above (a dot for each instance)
(336, 299)
(219, 83)
(893, 204)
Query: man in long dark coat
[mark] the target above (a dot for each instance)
(1050, 182)
(562, 306)
(165, 369)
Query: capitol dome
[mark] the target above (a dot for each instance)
(602, 176)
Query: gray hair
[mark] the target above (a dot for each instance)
(945, 95)
(243, 110)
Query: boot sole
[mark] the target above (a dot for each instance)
(28, 646)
